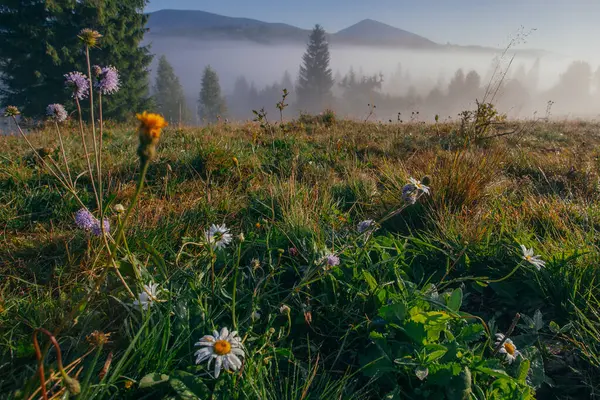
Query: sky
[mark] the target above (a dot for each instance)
(567, 27)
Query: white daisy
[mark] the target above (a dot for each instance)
(225, 348)
(219, 236)
(528, 256)
(508, 348)
(144, 299)
(419, 186)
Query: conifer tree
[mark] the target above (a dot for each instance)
(39, 44)
(211, 104)
(168, 94)
(315, 79)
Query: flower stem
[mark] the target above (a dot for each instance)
(64, 154)
(235, 279)
(87, 154)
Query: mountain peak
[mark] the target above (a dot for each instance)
(369, 31)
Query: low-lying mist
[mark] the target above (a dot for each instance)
(396, 81)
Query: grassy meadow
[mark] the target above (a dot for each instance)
(407, 306)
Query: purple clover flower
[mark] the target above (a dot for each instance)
(365, 225)
(97, 230)
(57, 112)
(85, 220)
(332, 260)
(107, 81)
(78, 83)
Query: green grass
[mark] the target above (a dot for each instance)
(409, 311)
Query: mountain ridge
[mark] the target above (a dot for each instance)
(199, 24)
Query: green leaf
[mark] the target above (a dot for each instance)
(393, 312)
(455, 300)
(554, 327)
(538, 322)
(152, 380)
(193, 383)
(369, 279)
(183, 392)
(436, 355)
(497, 373)
(523, 370)
(471, 333)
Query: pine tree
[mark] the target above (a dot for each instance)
(168, 94)
(39, 44)
(211, 105)
(315, 79)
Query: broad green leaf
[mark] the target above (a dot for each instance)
(183, 392)
(369, 279)
(497, 373)
(152, 380)
(393, 312)
(455, 300)
(471, 333)
(435, 355)
(523, 370)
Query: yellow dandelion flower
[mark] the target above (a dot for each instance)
(128, 384)
(151, 124)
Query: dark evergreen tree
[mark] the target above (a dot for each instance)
(168, 94)
(315, 79)
(39, 44)
(211, 104)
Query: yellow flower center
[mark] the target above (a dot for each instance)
(510, 348)
(222, 347)
(528, 258)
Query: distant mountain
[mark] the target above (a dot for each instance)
(204, 25)
(375, 33)
(200, 24)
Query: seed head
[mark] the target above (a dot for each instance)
(89, 37)
(11, 111)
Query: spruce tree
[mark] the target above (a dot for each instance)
(168, 94)
(39, 44)
(211, 104)
(315, 79)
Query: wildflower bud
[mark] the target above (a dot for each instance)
(149, 130)
(119, 208)
(293, 251)
(258, 225)
(235, 161)
(97, 70)
(426, 180)
(271, 330)
(71, 384)
(280, 251)
(241, 237)
(11, 111)
(284, 309)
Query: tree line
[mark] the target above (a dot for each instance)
(38, 45)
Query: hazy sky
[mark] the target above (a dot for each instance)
(570, 27)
